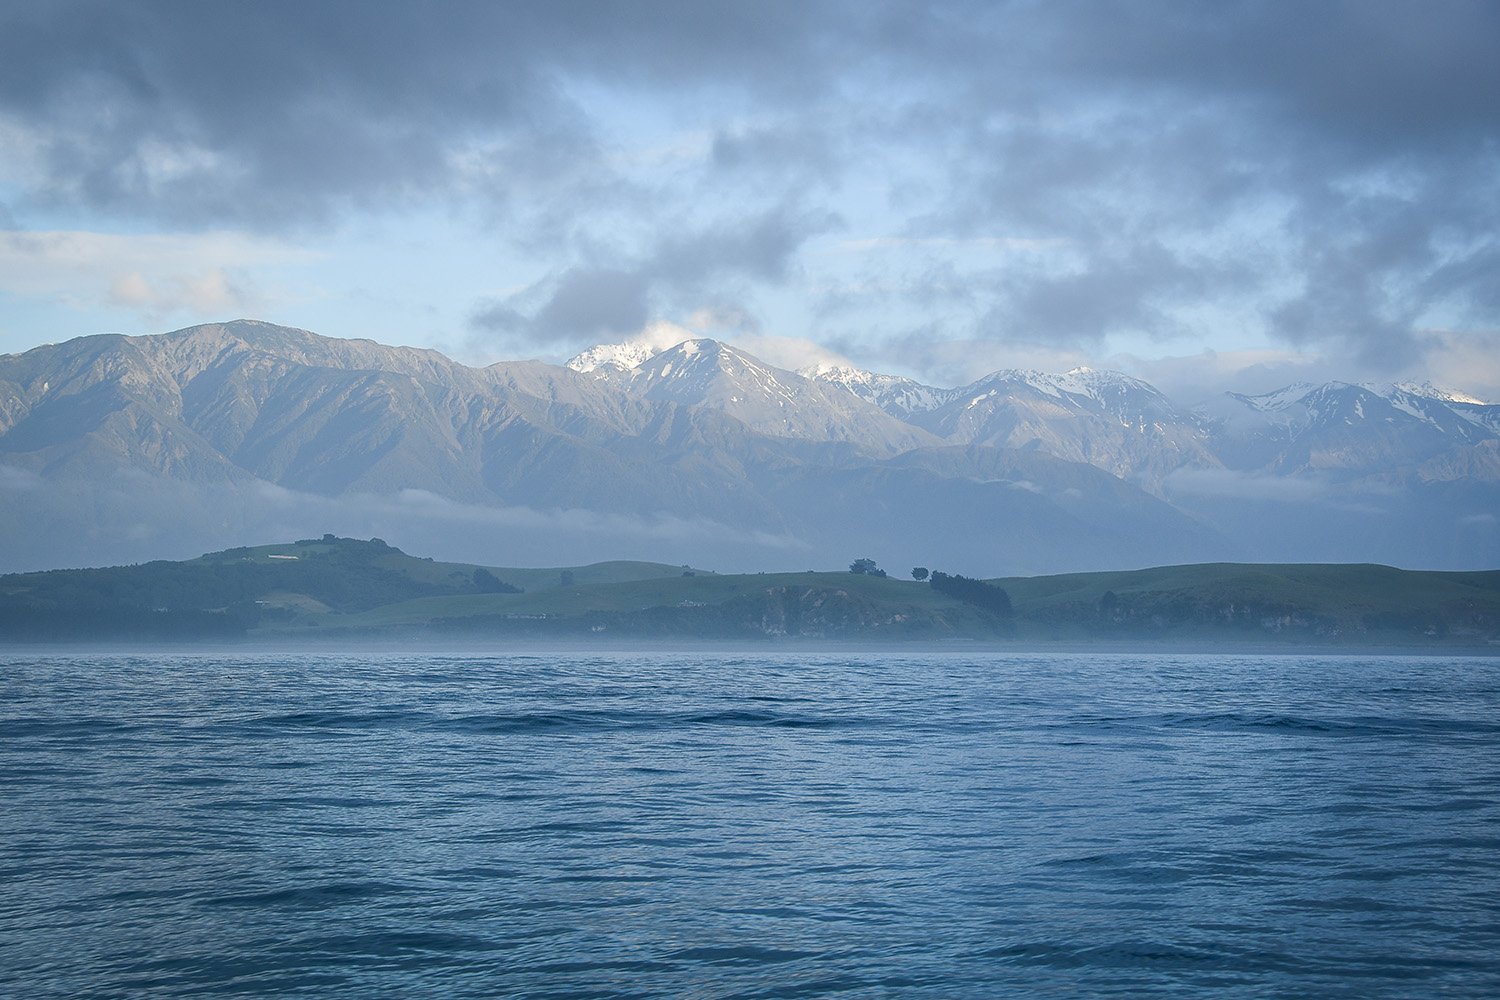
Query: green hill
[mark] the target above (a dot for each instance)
(237, 590)
(1313, 601)
(821, 605)
(341, 587)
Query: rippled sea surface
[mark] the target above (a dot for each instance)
(763, 825)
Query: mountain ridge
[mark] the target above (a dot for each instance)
(143, 445)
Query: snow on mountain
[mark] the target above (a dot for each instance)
(1103, 418)
(1352, 427)
(1111, 392)
(1130, 399)
(612, 356)
(900, 397)
(1106, 419)
(603, 359)
(1312, 402)
(1274, 402)
(1442, 406)
(1406, 395)
(1426, 390)
(220, 427)
(770, 400)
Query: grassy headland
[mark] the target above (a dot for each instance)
(350, 588)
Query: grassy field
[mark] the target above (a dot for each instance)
(343, 586)
(640, 595)
(1326, 599)
(437, 573)
(1314, 584)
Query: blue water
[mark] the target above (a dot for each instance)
(764, 825)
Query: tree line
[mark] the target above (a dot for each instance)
(985, 596)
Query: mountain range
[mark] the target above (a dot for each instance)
(118, 449)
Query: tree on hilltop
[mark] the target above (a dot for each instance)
(982, 595)
(488, 583)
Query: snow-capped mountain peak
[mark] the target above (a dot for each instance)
(832, 371)
(899, 396)
(1425, 390)
(770, 400)
(1276, 401)
(1111, 389)
(1299, 392)
(622, 357)
(694, 360)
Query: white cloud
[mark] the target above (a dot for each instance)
(1244, 485)
(712, 319)
(1195, 377)
(997, 244)
(791, 353)
(409, 508)
(661, 335)
(153, 273)
(959, 362)
(212, 291)
(1469, 362)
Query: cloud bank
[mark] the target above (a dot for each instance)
(1063, 178)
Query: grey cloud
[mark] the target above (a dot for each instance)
(1252, 193)
(584, 303)
(1381, 259)
(497, 317)
(337, 97)
(1117, 292)
(276, 112)
(691, 269)
(1188, 154)
(722, 315)
(1381, 76)
(759, 247)
(594, 302)
(141, 517)
(1122, 128)
(261, 112)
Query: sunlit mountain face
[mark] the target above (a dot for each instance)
(127, 448)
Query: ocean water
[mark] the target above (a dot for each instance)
(769, 824)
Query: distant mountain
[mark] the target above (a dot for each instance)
(120, 448)
(1349, 429)
(1104, 419)
(769, 400)
(899, 396)
(605, 358)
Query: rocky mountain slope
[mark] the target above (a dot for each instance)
(769, 400)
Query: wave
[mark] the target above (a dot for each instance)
(1334, 726)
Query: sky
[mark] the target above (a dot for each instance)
(1228, 195)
